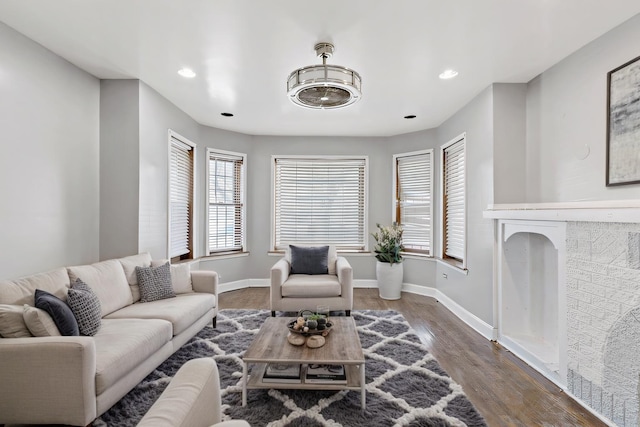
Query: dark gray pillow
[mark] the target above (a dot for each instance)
(309, 260)
(59, 312)
(155, 283)
(85, 306)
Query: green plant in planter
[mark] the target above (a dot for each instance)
(388, 243)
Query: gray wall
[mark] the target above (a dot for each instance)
(119, 166)
(566, 110)
(509, 143)
(259, 152)
(157, 116)
(236, 268)
(49, 168)
(417, 271)
(473, 291)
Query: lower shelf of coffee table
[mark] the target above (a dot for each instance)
(257, 371)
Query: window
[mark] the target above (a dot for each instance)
(453, 201)
(413, 178)
(180, 197)
(320, 201)
(226, 202)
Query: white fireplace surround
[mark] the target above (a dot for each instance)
(559, 299)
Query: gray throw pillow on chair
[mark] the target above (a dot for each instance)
(309, 260)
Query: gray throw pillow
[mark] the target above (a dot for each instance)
(59, 311)
(309, 260)
(155, 283)
(85, 306)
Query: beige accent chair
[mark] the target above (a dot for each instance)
(294, 292)
(192, 399)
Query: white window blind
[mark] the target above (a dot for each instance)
(320, 201)
(181, 197)
(226, 197)
(454, 200)
(414, 177)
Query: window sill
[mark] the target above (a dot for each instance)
(224, 256)
(340, 253)
(410, 255)
(454, 265)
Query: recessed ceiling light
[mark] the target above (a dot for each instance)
(410, 116)
(226, 114)
(187, 72)
(324, 98)
(448, 74)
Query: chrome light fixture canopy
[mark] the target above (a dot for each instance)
(324, 86)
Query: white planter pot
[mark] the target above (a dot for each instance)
(389, 279)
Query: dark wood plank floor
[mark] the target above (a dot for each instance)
(506, 391)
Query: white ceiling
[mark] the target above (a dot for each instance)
(243, 51)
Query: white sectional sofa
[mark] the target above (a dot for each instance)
(74, 379)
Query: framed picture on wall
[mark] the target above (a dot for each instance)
(623, 124)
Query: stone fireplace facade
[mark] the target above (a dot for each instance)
(598, 277)
(603, 317)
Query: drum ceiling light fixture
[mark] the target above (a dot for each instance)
(324, 86)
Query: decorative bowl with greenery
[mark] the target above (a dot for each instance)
(388, 243)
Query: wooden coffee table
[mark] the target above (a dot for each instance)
(270, 345)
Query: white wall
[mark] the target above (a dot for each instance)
(566, 112)
(49, 168)
(119, 167)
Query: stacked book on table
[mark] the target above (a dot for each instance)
(282, 373)
(294, 373)
(325, 374)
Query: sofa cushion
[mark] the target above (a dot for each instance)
(12, 323)
(39, 322)
(108, 281)
(155, 283)
(180, 276)
(316, 286)
(123, 344)
(332, 257)
(309, 260)
(182, 311)
(129, 265)
(59, 312)
(21, 291)
(85, 305)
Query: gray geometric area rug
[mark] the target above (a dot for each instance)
(405, 386)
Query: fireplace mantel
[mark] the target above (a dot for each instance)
(626, 211)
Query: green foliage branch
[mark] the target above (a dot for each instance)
(388, 243)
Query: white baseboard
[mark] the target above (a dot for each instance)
(479, 325)
(470, 319)
(590, 409)
(242, 284)
(365, 283)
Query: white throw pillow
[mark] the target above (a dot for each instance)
(39, 322)
(129, 265)
(11, 322)
(180, 276)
